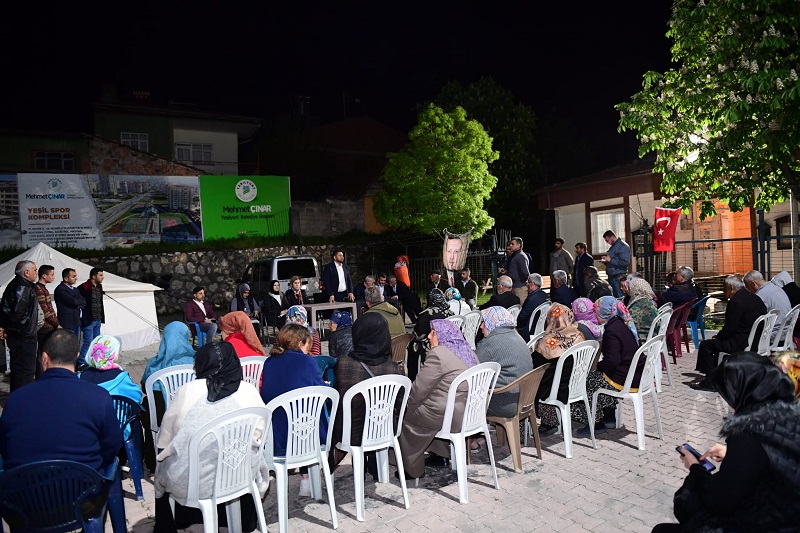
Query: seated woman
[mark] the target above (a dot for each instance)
(371, 356)
(275, 305)
(588, 324)
(340, 341)
(437, 309)
(642, 306)
(175, 349)
(218, 390)
(289, 367)
(238, 331)
(103, 370)
(295, 295)
(426, 406)
(757, 486)
(457, 306)
(245, 302)
(502, 344)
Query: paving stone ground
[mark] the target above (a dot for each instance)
(613, 488)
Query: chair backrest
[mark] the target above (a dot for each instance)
(252, 367)
(762, 344)
(170, 379)
(660, 323)
(480, 380)
(514, 310)
(666, 306)
(380, 395)
(783, 339)
(540, 316)
(458, 320)
(679, 316)
(528, 386)
(236, 434)
(700, 305)
(47, 495)
(583, 355)
(127, 410)
(535, 339)
(472, 322)
(304, 411)
(399, 347)
(651, 350)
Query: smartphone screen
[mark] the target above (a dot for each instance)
(705, 463)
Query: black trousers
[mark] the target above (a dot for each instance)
(23, 352)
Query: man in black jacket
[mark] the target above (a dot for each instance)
(505, 296)
(536, 297)
(19, 316)
(683, 290)
(742, 311)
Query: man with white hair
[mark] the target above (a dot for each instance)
(560, 292)
(504, 297)
(683, 289)
(19, 317)
(772, 295)
(536, 297)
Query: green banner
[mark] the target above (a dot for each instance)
(244, 206)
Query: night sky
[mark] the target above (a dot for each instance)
(255, 58)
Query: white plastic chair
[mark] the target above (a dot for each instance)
(762, 344)
(481, 380)
(304, 410)
(652, 353)
(379, 395)
(784, 339)
(458, 320)
(472, 321)
(659, 327)
(252, 367)
(540, 315)
(583, 355)
(514, 310)
(534, 339)
(171, 379)
(239, 443)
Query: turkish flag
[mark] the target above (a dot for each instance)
(664, 230)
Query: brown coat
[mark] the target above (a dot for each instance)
(426, 406)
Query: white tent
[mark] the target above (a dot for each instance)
(130, 306)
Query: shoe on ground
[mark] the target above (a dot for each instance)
(703, 385)
(305, 488)
(435, 461)
(610, 424)
(409, 477)
(545, 430)
(474, 446)
(586, 431)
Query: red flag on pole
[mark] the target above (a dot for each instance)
(664, 229)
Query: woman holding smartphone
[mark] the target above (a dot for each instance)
(757, 486)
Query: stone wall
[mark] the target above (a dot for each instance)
(178, 273)
(108, 157)
(331, 217)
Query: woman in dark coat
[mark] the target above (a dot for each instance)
(275, 305)
(437, 308)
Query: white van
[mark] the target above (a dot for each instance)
(260, 272)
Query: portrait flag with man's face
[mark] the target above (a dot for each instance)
(454, 254)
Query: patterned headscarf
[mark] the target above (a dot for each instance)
(639, 289)
(583, 308)
(103, 353)
(297, 315)
(451, 337)
(452, 294)
(561, 332)
(608, 307)
(239, 322)
(437, 300)
(342, 319)
(496, 317)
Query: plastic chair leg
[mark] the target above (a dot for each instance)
(639, 416)
(210, 519)
(566, 428)
(399, 457)
(658, 416)
(512, 429)
(357, 455)
(535, 430)
(491, 451)
(282, 484)
(262, 521)
(316, 484)
(135, 462)
(116, 504)
(459, 447)
(233, 510)
(694, 335)
(382, 457)
(329, 486)
(592, 414)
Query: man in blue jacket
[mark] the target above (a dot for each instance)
(336, 280)
(617, 261)
(69, 302)
(60, 416)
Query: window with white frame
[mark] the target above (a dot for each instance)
(602, 221)
(54, 161)
(194, 152)
(138, 141)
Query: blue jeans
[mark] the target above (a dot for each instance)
(89, 333)
(614, 281)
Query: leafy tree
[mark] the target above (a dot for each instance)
(724, 123)
(440, 179)
(512, 126)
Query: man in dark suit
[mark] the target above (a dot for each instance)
(560, 292)
(536, 297)
(504, 297)
(742, 311)
(582, 260)
(69, 302)
(336, 280)
(436, 281)
(412, 305)
(200, 311)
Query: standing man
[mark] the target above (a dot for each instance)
(69, 302)
(560, 259)
(582, 260)
(336, 280)
(517, 268)
(468, 288)
(200, 311)
(19, 316)
(47, 273)
(95, 314)
(617, 261)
